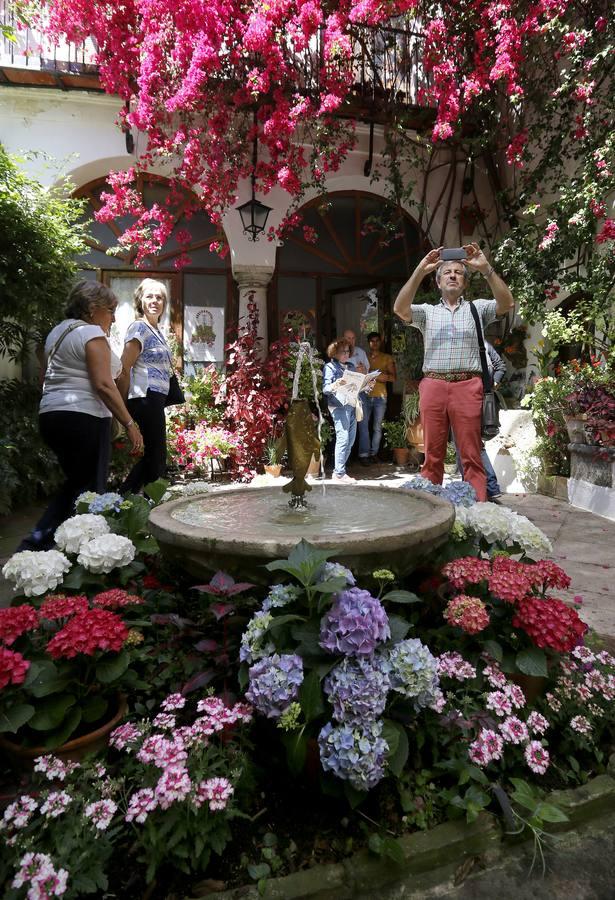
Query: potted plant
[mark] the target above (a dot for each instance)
(395, 436)
(64, 663)
(450, 460)
(414, 429)
(273, 465)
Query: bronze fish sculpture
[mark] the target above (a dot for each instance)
(300, 440)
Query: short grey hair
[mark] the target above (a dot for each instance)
(86, 296)
(444, 262)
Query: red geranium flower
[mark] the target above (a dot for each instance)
(549, 623)
(467, 570)
(116, 598)
(57, 606)
(87, 632)
(13, 667)
(15, 620)
(546, 574)
(467, 613)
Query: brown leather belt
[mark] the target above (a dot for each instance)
(452, 376)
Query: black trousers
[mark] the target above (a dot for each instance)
(148, 413)
(81, 442)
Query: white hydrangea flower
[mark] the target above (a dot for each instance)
(491, 521)
(107, 552)
(531, 538)
(498, 524)
(36, 572)
(76, 531)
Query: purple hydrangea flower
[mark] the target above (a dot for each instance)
(274, 683)
(414, 672)
(459, 493)
(357, 690)
(355, 624)
(354, 754)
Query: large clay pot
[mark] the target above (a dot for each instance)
(73, 750)
(414, 435)
(273, 469)
(401, 456)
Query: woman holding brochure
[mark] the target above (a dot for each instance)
(341, 386)
(343, 414)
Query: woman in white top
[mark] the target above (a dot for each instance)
(79, 398)
(147, 368)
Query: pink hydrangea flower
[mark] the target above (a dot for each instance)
(514, 730)
(215, 791)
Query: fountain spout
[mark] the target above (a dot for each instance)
(301, 435)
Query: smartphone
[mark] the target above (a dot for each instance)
(453, 253)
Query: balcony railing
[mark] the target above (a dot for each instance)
(387, 64)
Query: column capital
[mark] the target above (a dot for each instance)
(255, 277)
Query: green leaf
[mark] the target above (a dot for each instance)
(375, 844)
(111, 669)
(494, 649)
(64, 732)
(310, 697)
(148, 545)
(95, 708)
(330, 586)
(278, 621)
(156, 490)
(397, 756)
(296, 750)
(549, 813)
(243, 677)
(403, 597)
(43, 679)
(15, 716)
(392, 848)
(399, 628)
(74, 579)
(262, 870)
(524, 794)
(532, 662)
(50, 712)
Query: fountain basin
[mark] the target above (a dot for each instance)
(239, 530)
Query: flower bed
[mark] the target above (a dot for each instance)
(395, 707)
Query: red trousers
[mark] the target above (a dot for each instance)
(457, 405)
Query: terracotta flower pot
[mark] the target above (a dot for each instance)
(73, 750)
(414, 435)
(401, 456)
(273, 469)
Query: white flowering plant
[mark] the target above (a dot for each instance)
(166, 795)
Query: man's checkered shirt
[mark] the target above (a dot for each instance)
(451, 342)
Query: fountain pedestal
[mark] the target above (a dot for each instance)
(240, 530)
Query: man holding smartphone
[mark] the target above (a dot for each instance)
(451, 390)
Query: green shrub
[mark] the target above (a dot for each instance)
(28, 469)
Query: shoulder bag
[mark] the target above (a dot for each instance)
(490, 421)
(175, 396)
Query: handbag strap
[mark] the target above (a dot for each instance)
(56, 346)
(157, 334)
(481, 349)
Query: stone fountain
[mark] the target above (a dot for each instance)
(240, 529)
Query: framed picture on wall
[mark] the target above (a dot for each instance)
(204, 333)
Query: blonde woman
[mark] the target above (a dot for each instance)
(147, 368)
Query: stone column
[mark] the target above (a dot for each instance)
(253, 281)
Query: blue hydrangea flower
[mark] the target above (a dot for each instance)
(354, 754)
(253, 641)
(418, 483)
(106, 503)
(357, 690)
(280, 595)
(355, 624)
(335, 570)
(460, 493)
(274, 683)
(414, 671)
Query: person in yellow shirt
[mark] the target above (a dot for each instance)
(375, 403)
